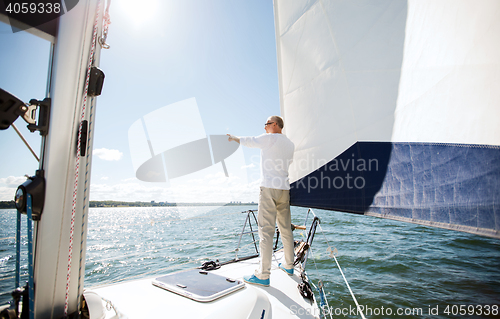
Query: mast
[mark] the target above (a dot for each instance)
(62, 169)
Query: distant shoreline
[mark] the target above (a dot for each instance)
(110, 203)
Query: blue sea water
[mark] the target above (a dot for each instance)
(395, 269)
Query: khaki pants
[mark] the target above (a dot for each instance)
(274, 205)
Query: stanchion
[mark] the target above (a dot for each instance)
(31, 290)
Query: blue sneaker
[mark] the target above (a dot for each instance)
(256, 281)
(288, 271)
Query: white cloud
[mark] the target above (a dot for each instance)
(108, 155)
(207, 185)
(13, 181)
(7, 194)
(104, 178)
(8, 186)
(252, 165)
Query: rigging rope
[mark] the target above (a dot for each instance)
(332, 254)
(86, 187)
(107, 22)
(25, 142)
(321, 292)
(77, 164)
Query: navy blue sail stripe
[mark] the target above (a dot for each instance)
(455, 186)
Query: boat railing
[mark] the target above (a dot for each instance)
(248, 220)
(302, 251)
(311, 233)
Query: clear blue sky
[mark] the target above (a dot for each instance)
(221, 52)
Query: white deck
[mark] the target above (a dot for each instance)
(140, 299)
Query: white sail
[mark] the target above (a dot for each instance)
(450, 78)
(412, 86)
(339, 73)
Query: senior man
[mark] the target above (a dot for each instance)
(274, 199)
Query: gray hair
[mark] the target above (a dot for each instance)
(278, 120)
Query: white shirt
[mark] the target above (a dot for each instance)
(276, 156)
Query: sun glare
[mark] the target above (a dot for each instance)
(139, 12)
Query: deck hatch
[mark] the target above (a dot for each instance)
(198, 285)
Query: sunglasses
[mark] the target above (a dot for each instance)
(268, 123)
